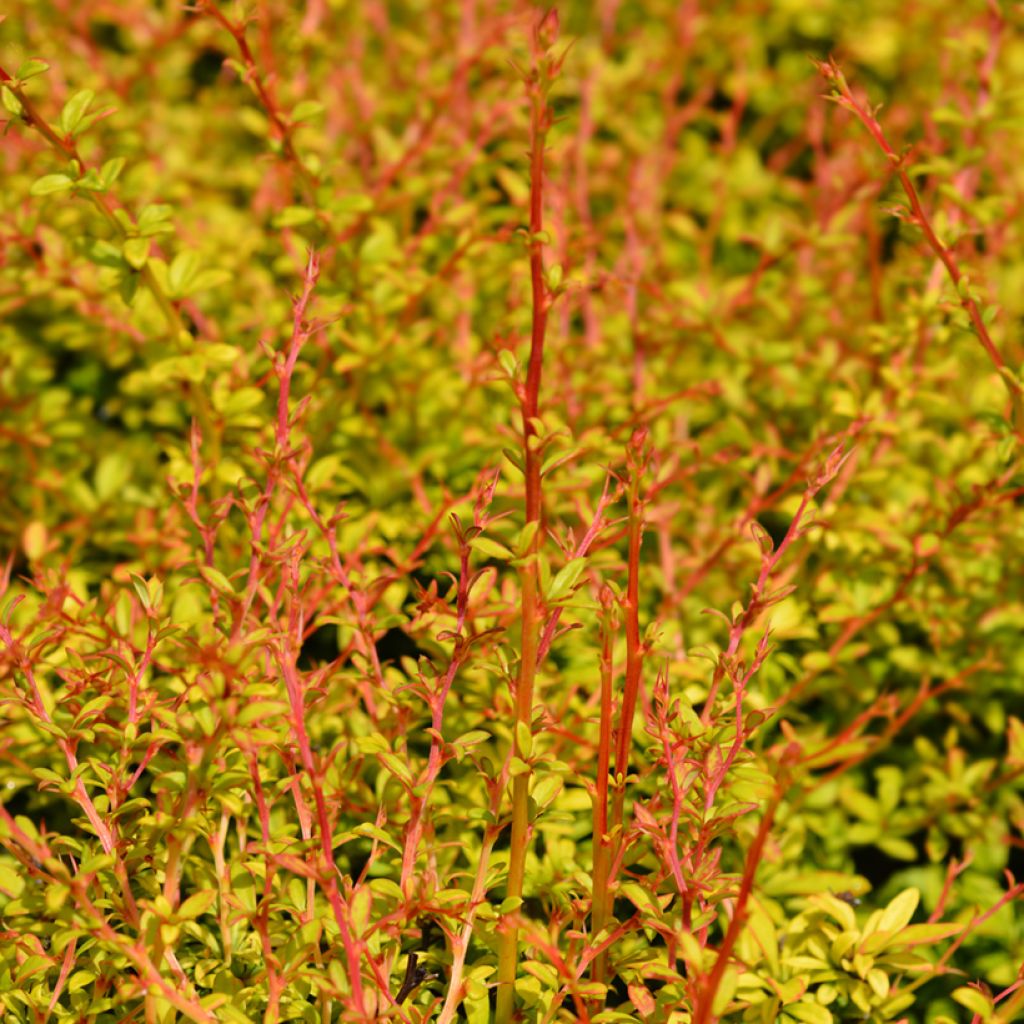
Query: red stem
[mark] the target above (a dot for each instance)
(830, 71)
(703, 1009)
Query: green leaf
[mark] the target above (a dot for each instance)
(918, 934)
(509, 363)
(975, 1001)
(513, 183)
(207, 279)
(74, 110)
(216, 579)
(545, 789)
(243, 400)
(91, 181)
(565, 579)
(381, 246)
(376, 833)
(196, 905)
(352, 204)
(48, 775)
(490, 548)
(397, 767)
(31, 68)
(112, 473)
(839, 909)
(106, 254)
(524, 739)
(127, 288)
(810, 1013)
(34, 539)
(111, 170)
(526, 537)
(898, 913)
(10, 102)
(90, 707)
(51, 183)
(897, 848)
(292, 216)
(863, 806)
(95, 864)
(478, 1008)
(80, 979)
(33, 965)
(136, 251)
(255, 711)
(182, 272)
(305, 110)
(154, 219)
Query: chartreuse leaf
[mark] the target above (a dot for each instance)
(810, 1013)
(31, 68)
(923, 934)
(182, 272)
(112, 473)
(49, 184)
(136, 252)
(10, 102)
(898, 913)
(306, 109)
(565, 579)
(490, 548)
(216, 579)
(196, 905)
(975, 1001)
(293, 216)
(74, 111)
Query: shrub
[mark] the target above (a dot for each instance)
(511, 513)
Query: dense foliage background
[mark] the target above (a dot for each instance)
(266, 308)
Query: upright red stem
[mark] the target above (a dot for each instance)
(845, 98)
(544, 68)
(703, 1011)
(602, 847)
(634, 653)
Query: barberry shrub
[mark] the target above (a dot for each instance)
(511, 514)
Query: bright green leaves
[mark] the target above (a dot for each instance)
(75, 117)
(112, 473)
(306, 111)
(74, 111)
(826, 958)
(294, 216)
(897, 915)
(524, 740)
(380, 246)
(976, 1001)
(50, 184)
(196, 905)
(31, 68)
(10, 102)
(103, 179)
(217, 580)
(565, 580)
(136, 252)
(188, 274)
(154, 220)
(490, 548)
(183, 272)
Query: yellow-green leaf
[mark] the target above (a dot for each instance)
(898, 913)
